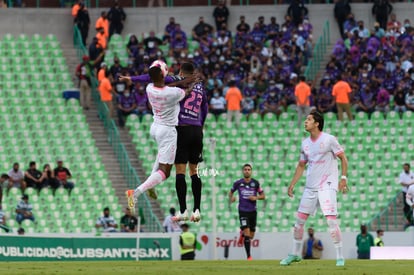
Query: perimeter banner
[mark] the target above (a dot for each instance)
(83, 249)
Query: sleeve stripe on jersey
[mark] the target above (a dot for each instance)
(338, 153)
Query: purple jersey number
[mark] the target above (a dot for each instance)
(193, 103)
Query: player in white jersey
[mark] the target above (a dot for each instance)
(320, 152)
(409, 199)
(165, 106)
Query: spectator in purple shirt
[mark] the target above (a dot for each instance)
(169, 29)
(250, 192)
(366, 100)
(141, 99)
(133, 46)
(272, 100)
(178, 45)
(325, 100)
(389, 82)
(272, 30)
(383, 101)
(126, 105)
(258, 35)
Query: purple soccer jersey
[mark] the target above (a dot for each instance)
(245, 190)
(194, 107)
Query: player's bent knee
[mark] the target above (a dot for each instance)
(180, 168)
(193, 169)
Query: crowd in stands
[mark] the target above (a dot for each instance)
(376, 62)
(32, 178)
(263, 60)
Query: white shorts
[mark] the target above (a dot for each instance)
(326, 199)
(166, 139)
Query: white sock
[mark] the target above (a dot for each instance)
(336, 236)
(152, 181)
(338, 248)
(298, 236)
(297, 247)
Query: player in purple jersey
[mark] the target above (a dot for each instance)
(165, 106)
(249, 193)
(193, 112)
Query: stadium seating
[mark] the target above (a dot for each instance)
(39, 125)
(117, 47)
(272, 147)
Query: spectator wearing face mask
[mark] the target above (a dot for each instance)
(217, 103)
(126, 105)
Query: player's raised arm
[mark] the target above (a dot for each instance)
(344, 167)
(298, 173)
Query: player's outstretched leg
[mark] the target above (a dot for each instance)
(196, 186)
(336, 236)
(297, 240)
(153, 180)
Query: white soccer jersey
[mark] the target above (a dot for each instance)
(406, 178)
(409, 198)
(165, 103)
(321, 157)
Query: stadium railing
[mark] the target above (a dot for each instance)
(318, 53)
(152, 223)
(387, 219)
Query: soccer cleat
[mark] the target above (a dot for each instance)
(195, 217)
(131, 199)
(241, 238)
(181, 217)
(290, 259)
(340, 262)
(250, 258)
(152, 193)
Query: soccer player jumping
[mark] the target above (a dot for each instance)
(320, 151)
(165, 106)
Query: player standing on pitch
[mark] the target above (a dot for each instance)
(165, 106)
(249, 193)
(320, 151)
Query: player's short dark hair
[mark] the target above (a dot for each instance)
(4, 176)
(318, 117)
(247, 165)
(302, 78)
(155, 74)
(172, 211)
(380, 231)
(106, 209)
(407, 164)
(32, 163)
(187, 68)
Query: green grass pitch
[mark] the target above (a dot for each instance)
(363, 267)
